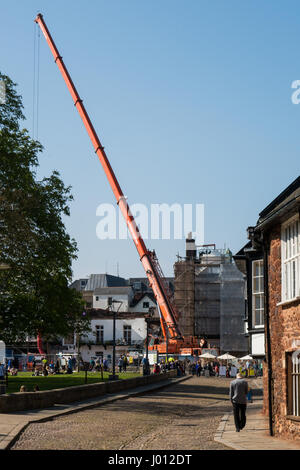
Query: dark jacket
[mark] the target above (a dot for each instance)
(238, 391)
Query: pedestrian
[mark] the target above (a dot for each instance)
(238, 395)
(198, 369)
(255, 367)
(124, 363)
(98, 364)
(146, 366)
(2, 372)
(57, 367)
(120, 364)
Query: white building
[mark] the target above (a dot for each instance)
(131, 331)
(122, 296)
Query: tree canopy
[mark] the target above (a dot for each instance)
(34, 292)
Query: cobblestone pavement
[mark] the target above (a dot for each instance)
(184, 416)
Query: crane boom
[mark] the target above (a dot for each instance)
(147, 258)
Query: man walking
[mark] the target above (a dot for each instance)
(238, 396)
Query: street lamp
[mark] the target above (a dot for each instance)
(146, 370)
(113, 376)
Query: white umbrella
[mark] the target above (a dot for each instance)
(207, 356)
(246, 358)
(226, 357)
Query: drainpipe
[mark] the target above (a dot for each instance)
(268, 335)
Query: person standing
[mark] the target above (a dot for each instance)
(2, 372)
(124, 363)
(120, 364)
(146, 366)
(238, 395)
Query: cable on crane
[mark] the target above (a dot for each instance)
(33, 80)
(36, 82)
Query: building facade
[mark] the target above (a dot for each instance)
(209, 297)
(274, 293)
(250, 262)
(131, 331)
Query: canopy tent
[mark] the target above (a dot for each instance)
(226, 357)
(207, 356)
(246, 358)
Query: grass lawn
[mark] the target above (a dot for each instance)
(58, 381)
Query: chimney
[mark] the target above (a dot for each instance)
(190, 247)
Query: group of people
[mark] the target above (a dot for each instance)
(215, 368)
(163, 366)
(60, 366)
(122, 363)
(100, 363)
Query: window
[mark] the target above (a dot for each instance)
(146, 304)
(97, 298)
(257, 293)
(290, 254)
(137, 285)
(99, 333)
(293, 383)
(127, 334)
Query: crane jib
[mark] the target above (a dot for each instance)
(161, 295)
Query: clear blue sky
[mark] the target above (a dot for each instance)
(192, 101)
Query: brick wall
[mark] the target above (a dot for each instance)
(284, 328)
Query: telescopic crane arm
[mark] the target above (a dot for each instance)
(149, 262)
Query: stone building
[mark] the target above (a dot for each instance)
(209, 297)
(277, 237)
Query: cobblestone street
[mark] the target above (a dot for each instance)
(184, 416)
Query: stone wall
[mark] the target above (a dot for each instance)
(44, 399)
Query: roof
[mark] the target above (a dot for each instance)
(78, 284)
(138, 297)
(241, 252)
(145, 280)
(104, 280)
(113, 290)
(287, 196)
(95, 313)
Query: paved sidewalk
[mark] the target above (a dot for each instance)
(12, 424)
(255, 436)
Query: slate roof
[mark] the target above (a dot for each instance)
(138, 297)
(292, 191)
(104, 280)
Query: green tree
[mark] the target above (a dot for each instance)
(34, 292)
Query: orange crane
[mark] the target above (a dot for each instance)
(168, 317)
